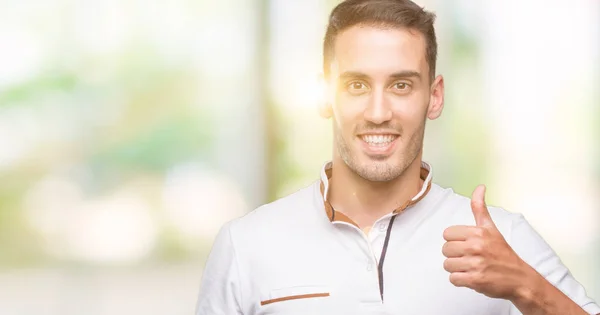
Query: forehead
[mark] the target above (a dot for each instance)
(379, 51)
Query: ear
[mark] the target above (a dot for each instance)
(436, 100)
(325, 103)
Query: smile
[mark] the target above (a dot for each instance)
(378, 145)
(378, 140)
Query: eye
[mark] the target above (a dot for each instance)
(356, 85)
(401, 86)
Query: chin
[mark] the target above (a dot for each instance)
(379, 169)
(374, 166)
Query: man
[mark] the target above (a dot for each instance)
(375, 235)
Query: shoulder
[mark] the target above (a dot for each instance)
(455, 209)
(270, 218)
(293, 204)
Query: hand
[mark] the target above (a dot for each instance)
(478, 257)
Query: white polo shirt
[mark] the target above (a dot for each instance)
(298, 255)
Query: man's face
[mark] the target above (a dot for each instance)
(380, 94)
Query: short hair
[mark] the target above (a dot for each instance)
(380, 13)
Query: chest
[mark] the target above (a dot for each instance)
(339, 275)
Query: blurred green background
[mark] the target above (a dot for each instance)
(130, 131)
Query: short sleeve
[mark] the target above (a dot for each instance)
(532, 248)
(219, 286)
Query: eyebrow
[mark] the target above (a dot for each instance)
(394, 76)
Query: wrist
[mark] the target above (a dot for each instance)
(528, 292)
(537, 296)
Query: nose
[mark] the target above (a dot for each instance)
(378, 110)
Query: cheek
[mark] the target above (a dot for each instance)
(348, 110)
(410, 116)
(349, 104)
(409, 109)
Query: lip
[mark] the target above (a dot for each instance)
(378, 150)
(378, 133)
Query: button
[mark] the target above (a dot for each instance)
(382, 227)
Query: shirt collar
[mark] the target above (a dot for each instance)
(426, 175)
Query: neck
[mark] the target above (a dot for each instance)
(365, 201)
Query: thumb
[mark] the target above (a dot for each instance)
(480, 211)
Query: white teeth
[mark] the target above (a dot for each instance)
(378, 139)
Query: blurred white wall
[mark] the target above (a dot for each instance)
(541, 62)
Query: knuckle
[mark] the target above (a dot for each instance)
(479, 263)
(454, 279)
(478, 279)
(476, 202)
(449, 250)
(445, 249)
(461, 280)
(447, 265)
(446, 233)
(477, 248)
(479, 232)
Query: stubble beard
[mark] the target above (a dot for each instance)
(381, 169)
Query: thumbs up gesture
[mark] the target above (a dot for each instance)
(478, 257)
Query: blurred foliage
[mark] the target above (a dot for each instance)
(464, 163)
(19, 244)
(137, 113)
(23, 93)
(159, 123)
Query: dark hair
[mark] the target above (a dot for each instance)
(380, 13)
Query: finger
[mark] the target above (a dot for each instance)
(457, 264)
(455, 249)
(460, 232)
(480, 210)
(460, 279)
